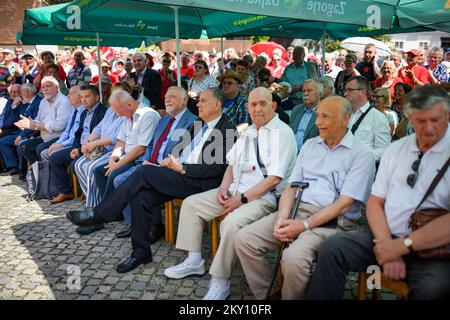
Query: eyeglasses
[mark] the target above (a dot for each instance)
(412, 178)
(376, 96)
(228, 83)
(352, 89)
(167, 61)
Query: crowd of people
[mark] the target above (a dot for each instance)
(367, 135)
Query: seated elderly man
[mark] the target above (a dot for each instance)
(167, 135)
(51, 120)
(406, 172)
(260, 160)
(303, 116)
(340, 171)
(200, 168)
(92, 114)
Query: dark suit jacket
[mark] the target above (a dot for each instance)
(210, 174)
(152, 86)
(99, 113)
(185, 122)
(296, 116)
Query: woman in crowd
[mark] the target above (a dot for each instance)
(437, 72)
(53, 71)
(48, 58)
(97, 151)
(242, 68)
(403, 127)
(201, 81)
(344, 75)
(168, 76)
(381, 99)
(388, 77)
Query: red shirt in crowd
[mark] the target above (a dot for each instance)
(377, 83)
(420, 73)
(187, 72)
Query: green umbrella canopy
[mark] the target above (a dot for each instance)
(434, 14)
(152, 19)
(38, 29)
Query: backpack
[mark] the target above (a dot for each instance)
(38, 181)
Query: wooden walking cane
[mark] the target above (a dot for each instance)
(301, 186)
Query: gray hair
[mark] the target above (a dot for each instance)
(121, 96)
(217, 94)
(180, 90)
(30, 88)
(426, 97)
(286, 84)
(140, 54)
(436, 49)
(328, 82)
(319, 86)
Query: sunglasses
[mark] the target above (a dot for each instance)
(412, 178)
(167, 61)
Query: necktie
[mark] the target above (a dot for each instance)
(162, 138)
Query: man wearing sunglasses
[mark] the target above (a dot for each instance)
(406, 171)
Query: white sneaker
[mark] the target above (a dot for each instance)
(217, 291)
(185, 269)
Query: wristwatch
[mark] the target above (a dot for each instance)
(306, 225)
(183, 169)
(408, 243)
(244, 199)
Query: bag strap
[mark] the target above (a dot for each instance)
(360, 119)
(434, 183)
(260, 163)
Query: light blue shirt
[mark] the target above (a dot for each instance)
(295, 76)
(347, 169)
(68, 135)
(109, 127)
(300, 134)
(87, 124)
(172, 129)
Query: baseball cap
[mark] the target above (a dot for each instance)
(350, 58)
(27, 54)
(9, 51)
(414, 52)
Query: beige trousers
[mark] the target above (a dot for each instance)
(253, 241)
(204, 207)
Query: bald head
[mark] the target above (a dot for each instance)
(333, 115)
(260, 106)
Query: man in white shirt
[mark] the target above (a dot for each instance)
(406, 171)
(53, 114)
(373, 129)
(339, 169)
(245, 194)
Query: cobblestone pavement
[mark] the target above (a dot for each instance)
(41, 254)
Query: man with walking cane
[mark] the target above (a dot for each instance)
(340, 170)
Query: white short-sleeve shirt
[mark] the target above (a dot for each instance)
(139, 130)
(401, 199)
(277, 151)
(373, 130)
(347, 169)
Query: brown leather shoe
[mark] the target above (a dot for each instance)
(62, 197)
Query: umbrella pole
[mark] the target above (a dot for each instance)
(99, 68)
(222, 62)
(324, 40)
(177, 37)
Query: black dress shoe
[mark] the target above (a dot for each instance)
(84, 218)
(88, 230)
(156, 232)
(124, 234)
(132, 263)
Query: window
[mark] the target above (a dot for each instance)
(398, 45)
(423, 44)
